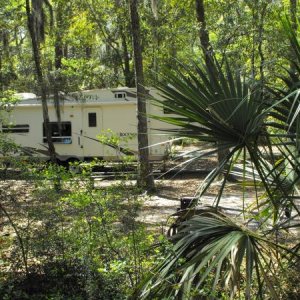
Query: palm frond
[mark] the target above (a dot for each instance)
(212, 249)
(216, 106)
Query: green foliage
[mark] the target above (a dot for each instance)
(82, 73)
(91, 235)
(79, 242)
(213, 256)
(96, 40)
(211, 252)
(7, 146)
(208, 104)
(62, 279)
(7, 98)
(109, 138)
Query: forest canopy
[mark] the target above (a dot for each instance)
(88, 44)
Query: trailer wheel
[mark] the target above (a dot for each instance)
(63, 163)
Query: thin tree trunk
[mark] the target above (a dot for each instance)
(40, 80)
(57, 78)
(156, 45)
(203, 34)
(3, 54)
(207, 52)
(254, 20)
(293, 14)
(66, 51)
(58, 61)
(260, 41)
(1, 77)
(145, 177)
(128, 74)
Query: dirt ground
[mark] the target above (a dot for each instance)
(170, 188)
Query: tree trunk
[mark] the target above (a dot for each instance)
(156, 45)
(207, 52)
(128, 74)
(1, 77)
(145, 177)
(253, 47)
(203, 34)
(57, 79)
(263, 13)
(40, 79)
(58, 62)
(293, 14)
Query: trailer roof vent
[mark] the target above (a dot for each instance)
(120, 95)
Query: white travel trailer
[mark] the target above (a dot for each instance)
(84, 116)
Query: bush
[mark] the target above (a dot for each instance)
(62, 279)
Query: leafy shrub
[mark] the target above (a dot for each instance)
(79, 242)
(62, 279)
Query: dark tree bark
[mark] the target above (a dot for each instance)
(128, 73)
(293, 12)
(57, 86)
(145, 177)
(156, 40)
(203, 34)
(263, 12)
(40, 77)
(293, 15)
(1, 76)
(4, 55)
(254, 21)
(207, 51)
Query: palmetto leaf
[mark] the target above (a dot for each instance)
(217, 106)
(211, 248)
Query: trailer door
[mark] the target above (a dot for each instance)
(91, 128)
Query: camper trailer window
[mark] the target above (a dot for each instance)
(61, 132)
(20, 128)
(92, 120)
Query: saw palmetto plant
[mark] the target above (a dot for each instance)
(211, 249)
(259, 129)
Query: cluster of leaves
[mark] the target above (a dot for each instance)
(7, 100)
